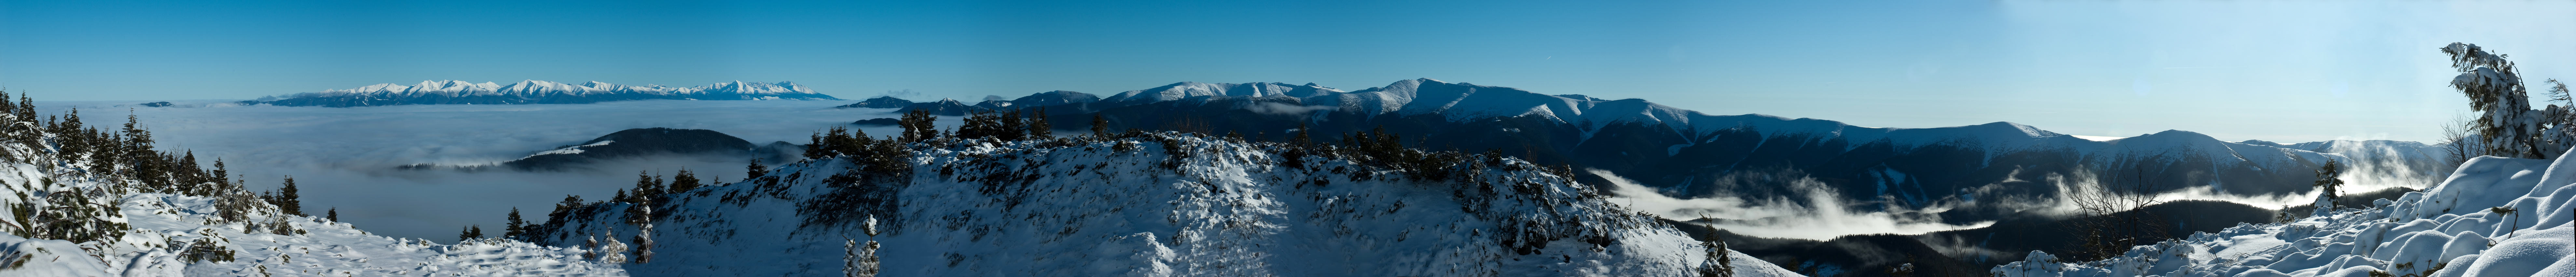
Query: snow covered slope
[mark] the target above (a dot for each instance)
(1160, 204)
(539, 92)
(2493, 217)
(80, 203)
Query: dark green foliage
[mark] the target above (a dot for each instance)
(838, 141)
(286, 198)
(1011, 127)
(1099, 126)
(647, 188)
(683, 181)
(565, 208)
(917, 126)
(75, 215)
(1302, 139)
(986, 125)
(2326, 179)
(1038, 126)
(755, 170)
(515, 226)
(334, 214)
(470, 232)
(205, 250)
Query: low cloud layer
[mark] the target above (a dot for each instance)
(345, 157)
(1819, 214)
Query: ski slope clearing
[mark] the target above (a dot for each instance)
(2493, 217)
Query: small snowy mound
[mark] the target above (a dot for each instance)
(2493, 217)
(1148, 205)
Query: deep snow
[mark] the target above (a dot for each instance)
(2451, 230)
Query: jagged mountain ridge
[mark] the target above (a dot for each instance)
(1152, 205)
(538, 92)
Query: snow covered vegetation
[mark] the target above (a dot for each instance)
(986, 201)
(86, 202)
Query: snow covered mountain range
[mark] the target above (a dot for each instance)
(537, 92)
(1690, 153)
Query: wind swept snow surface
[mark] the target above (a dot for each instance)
(1149, 205)
(2493, 217)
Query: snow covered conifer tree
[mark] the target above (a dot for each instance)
(861, 261)
(644, 237)
(1719, 264)
(2494, 87)
(614, 252)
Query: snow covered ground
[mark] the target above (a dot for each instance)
(123, 232)
(2493, 217)
(1162, 205)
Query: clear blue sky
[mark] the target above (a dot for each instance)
(2297, 71)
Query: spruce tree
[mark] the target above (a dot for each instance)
(684, 181)
(2326, 185)
(918, 126)
(515, 226)
(470, 232)
(1302, 139)
(1038, 126)
(861, 261)
(1099, 126)
(614, 252)
(647, 187)
(287, 199)
(333, 215)
(755, 170)
(815, 148)
(644, 237)
(1013, 127)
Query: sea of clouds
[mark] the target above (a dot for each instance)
(346, 158)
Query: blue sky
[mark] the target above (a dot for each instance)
(2284, 71)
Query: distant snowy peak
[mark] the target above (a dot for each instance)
(525, 87)
(538, 92)
(1178, 91)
